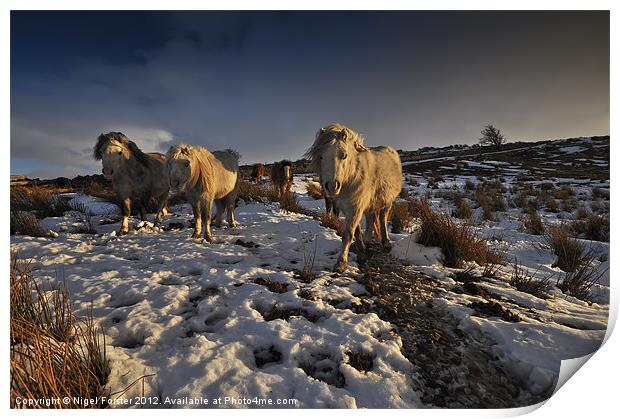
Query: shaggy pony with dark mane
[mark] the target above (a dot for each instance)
(137, 177)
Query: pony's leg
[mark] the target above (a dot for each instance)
(329, 206)
(230, 209)
(358, 244)
(370, 224)
(352, 222)
(198, 219)
(385, 239)
(126, 213)
(163, 201)
(207, 216)
(142, 208)
(219, 212)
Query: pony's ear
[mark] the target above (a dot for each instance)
(343, 134)
(185, 150)
(359, 146)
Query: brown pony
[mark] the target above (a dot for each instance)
(258, 171)
(282, 176)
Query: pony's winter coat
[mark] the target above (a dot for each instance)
(258, 171)
(360, 181)
(137, 177)
(205, 177)
(282, 176)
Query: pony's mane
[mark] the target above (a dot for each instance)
(329, 135)
(200, 162)
(121, 139)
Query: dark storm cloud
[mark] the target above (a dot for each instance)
(263, 83)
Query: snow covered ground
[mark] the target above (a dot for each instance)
(235, 319)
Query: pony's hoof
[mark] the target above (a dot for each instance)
(209, 240)
(196, 236)
(340, 266)
(123, 232)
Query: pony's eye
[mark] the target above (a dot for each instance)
(120, 152)
(186, 164)
(321, 158)
(344, 156)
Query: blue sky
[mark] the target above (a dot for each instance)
(264, 82)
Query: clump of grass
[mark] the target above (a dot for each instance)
(458, 242)
(332, 221)
(569, 251)
(547, 186)
(400, 218)
(524, 281)
(257, 192)
(593, 227)
(497, 200)
(534, 223)
(41, 201)
(598, 193)
(89, 222)
(307, 273)
(599, 206)
(548, 202)
(462, 210)
(520, 200)
(314, 190)
(469, 185)
(26, 224)
(288, 202)
(564, 192)
(580, 282)
(53, 354)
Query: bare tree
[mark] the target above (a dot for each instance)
(492, 136)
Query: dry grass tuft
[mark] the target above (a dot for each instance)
(332, 221)
(534, 223)
(26, 224)
(307, 273)
(462, 210)
(579, 282)
(43, 202)
(570, 251)
(53, 355)
(314, 190)
(593, 227)
(458, 242)
(288, 202)
(257, 192)
(524, 281)
(400, 217)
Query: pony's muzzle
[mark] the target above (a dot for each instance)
(332, 188)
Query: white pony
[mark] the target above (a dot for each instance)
(360, 181)
(137, 177)
(205, 177)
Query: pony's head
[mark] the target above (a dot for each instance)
(333, 156)
(179, 165)
(115, 150)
